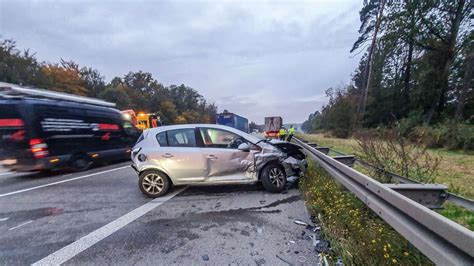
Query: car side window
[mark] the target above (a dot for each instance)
(181, 137)
(218, 138)
(161, 137)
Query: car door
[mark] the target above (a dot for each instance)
(179, 155)
(224, 162)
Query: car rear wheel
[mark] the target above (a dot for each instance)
(153, 183)
(274, 178)
(80, 162)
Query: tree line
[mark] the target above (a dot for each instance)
(135, 90)
(416, 69)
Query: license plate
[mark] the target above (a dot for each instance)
(8, 161)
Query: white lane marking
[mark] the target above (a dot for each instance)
(68, 252)
(4, 219)
(20, 225)
(7, 173)
(62, 181)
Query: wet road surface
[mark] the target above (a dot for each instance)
(101, 217)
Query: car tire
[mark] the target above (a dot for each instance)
(273, 178)
(80, 162)
(153, 183)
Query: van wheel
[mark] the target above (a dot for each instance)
(274, 178)
(153, 183)
(80, 162)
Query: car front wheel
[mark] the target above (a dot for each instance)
(274, 178)
(153, 183)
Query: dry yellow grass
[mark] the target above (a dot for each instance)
(456, 169)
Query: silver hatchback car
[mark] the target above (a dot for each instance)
(208, 154)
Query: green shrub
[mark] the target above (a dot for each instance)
(450, 135)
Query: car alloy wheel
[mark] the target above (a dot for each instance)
(276, 176)
(273, 178)
(153, 183)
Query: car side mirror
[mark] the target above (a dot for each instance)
(244, 147)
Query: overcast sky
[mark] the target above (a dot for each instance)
(254, 58)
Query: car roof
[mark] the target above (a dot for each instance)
(247, 136)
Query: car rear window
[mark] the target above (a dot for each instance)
(177, 138)
(161, 137)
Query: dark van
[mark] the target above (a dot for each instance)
(54, 130)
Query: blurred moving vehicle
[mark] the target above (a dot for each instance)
(233, 120)
(272, 126)
(44, 130)
(142, 121)
(205, 154)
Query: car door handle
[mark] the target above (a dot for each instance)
(167, 155)
(212, 157)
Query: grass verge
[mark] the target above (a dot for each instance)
(455, 171)
(357, 234)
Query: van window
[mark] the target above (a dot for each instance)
(12, 126)
(130, 129)
(181, 137)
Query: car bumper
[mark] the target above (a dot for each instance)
(134, 167)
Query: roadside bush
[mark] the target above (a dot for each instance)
(357, 234)
(389, 150)
(409, 124)
(450, 135)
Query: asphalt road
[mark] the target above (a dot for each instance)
(101, 217)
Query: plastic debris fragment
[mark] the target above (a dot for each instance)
(298, 222)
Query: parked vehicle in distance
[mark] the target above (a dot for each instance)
(206, 154)
(233, 120)
(272, 126)
(44, 130)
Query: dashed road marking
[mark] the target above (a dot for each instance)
(62, 181)
(66, 253)
(20, 225)
(4, 219)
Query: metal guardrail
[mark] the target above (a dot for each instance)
(456, 199)
(440, 239)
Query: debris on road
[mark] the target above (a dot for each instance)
(313, 228)
(298, 222)
(205, 257)
(315, 241)
(312, 233)
(282, 259)
(323, 246)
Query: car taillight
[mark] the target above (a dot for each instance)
(39, 148)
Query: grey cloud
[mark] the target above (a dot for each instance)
(253, 58)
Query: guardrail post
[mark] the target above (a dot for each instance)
(430, 195)
(348, 160)
(323, 150)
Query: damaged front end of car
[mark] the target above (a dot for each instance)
(289, 155)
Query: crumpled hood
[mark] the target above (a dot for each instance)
(288, 154)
